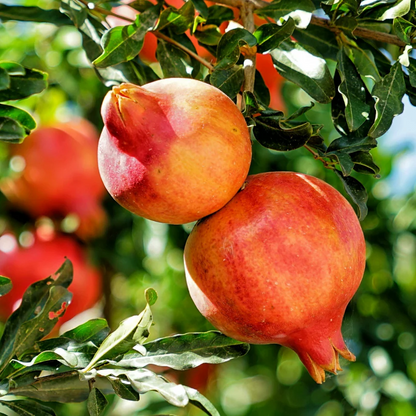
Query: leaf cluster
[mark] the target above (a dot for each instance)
(89, 361)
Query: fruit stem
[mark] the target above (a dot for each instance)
(155, 33)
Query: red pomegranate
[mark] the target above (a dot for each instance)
(174, 150)
(59, 175)
(279, 264)
(25, 266)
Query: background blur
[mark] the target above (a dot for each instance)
(133, 254)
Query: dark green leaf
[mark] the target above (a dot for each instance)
(4, 79)
(13, 68)
(351, 145)
(270, 36)
(353, 91)
(182, 352)
(209, 36)
(22, 86)
(201, 7)
(21, 117)
(261, 91)
(274, 133)
(28, 408)
(345, 162)
(178, 20)
(412, 72)
(228, 50)
(11, 130)
(289, 8)
(200, 401)
(218, 14)
(77, 12)
(96, 403)
(173, 61)
(33, 14)
(141, 5)
(346, 24)
(5, 285)
(95, 331)
(123, 388)
(251, 105)
(403, 29)
(364, 163)
(357, 193)
(123, 43)
(33, 303)
(320, 39)
(304, 69)
(389, 93)
(151, 296)
(229, 80)
(364, 62)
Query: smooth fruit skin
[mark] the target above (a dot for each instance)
(60, 176)
(174, 150)
(25, 266)
(279, 264)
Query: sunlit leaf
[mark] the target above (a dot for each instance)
(5, 285)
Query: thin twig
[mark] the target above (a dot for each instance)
(157, 34)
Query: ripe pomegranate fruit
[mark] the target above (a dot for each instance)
(25, 266)
(174, 150)
(279, 264)
(59, 175)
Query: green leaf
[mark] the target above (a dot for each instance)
(77, 12)
(33, 303)
(200, 401)
(270, 36)
(412, 72)
(22, 86)
(403, 29)
(28, 408)
(346, 24)
(320, 39)
(388, 93)
(401, 8)
(132, 331)
(300, 11)
(13, 68)
(20, 121)
(357, 193)
(304, 69)
(228, 51)
(96, 403)
(351, 144)
(353, 92)
(143, 381)
(151, 296)
(94, 330)
(261, 91)
(275, 133)
(201, 7)
(365, 63)
(364, 163)
(345, 162)
(4, 79)
(173, 61)
(123, 388)
(210, 36)
(218, 14)
(5, 285)
(141, 5)
(123, 43)
(32, 14)
(185, 351)
(229, 80)
(179, 20)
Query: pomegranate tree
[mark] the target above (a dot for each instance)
(174, 150)
(279, 264)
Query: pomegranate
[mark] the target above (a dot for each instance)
(59, 175)
(279, 264)
(174, 150)
(25, 266)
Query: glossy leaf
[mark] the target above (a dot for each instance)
(353, 92)
(4, 79)
(96, 403)
(201, 7)
(123, 388)
(229, 80)
(389, 93)
(412, 72)
(22, 86)
(185, 351)
(218, 14)
(94, 330)
(403, 29)
(179, 20)
(5, 285)
(173, 61)
(270, 36)
(33, 14)
(200, 401)
(365, 63)
(357, 193)
(35, 297)
(28, 408)
(364, 163)
(17, 123)
(123, 43)
(304, 69)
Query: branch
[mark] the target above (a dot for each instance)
(247, 17)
